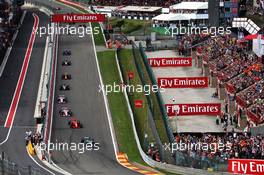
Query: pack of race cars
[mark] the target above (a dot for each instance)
(65, 111)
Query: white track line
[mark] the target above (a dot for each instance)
(38, 163)
(105, 101)
(36, 18)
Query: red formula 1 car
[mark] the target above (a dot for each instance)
(75, 124)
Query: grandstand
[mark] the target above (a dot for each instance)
(195, 13)
(163, 3)
(138, 12)
(239, 74)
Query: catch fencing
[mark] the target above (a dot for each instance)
(7, 167)
(158, 94)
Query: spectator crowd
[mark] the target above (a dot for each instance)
(159, 3)
(237, 68)
(234, 145)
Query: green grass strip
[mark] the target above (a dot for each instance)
(118, 107)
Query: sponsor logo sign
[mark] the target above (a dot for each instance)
(77, 18)
(183, 82)
(138, 103)
(246, 166)
(170, 62)
(193, 109)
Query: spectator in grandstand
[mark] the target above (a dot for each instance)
(252, 94)
(153, 152)
(236, 145)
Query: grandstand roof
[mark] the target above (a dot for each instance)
(140, 8)
(180, 16)
(104, 8)
(165, 10)
(190, 6)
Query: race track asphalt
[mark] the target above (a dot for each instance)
(87, 105)
(15, 147)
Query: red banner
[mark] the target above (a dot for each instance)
(193, 109)
(187, 82)
(170, 62)
(246, 166)
(77, 18)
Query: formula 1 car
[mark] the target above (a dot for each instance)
(65, 87)
(75, 124)
(66, 52)
(66, 76)
(88, 140)
(65, 112)
(62, 99)
(66, 63)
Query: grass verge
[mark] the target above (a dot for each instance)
(132, 27)
(157, 112)
(98, 37)
(140, 114)
(128, 65)
(118, 107)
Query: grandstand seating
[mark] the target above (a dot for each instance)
(163, 3)
(239, 70)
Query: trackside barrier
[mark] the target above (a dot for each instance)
(47, 83)
(7, 167)
(43, 90)
(159, 97)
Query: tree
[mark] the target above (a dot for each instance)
(120, 24)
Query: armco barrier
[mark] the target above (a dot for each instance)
(159, 97)
(49, 79)
(49, 116)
